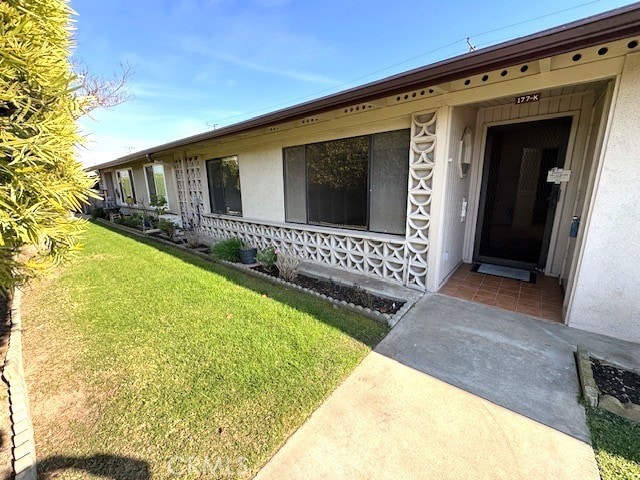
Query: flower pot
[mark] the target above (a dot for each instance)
(248, 255)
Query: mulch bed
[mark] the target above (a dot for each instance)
(616, 382)
(351, 294)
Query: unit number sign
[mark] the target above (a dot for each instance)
(532, 97)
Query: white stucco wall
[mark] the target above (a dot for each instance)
(457, 188)
(262, 183)
(606, 297)
(260, 159)
(140, 183)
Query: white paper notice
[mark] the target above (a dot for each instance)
(558, 175)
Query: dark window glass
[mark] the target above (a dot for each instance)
(216, 188)
(148, 171)
(337, 182)
(157, 185)
(223, 177)
(295, 184)
(358, 182)
(127, 191)
(389, 177)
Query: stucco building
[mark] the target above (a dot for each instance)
(525, 154)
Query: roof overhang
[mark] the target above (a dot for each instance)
(606, 27)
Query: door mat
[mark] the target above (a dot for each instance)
(506, 272)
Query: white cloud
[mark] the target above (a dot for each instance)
(300, 75)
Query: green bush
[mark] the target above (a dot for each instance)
(98, 212)
(167, 227)
(228, 249)
(40, 179)
(132, 221)
(267, 257)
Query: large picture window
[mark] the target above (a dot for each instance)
(156, 185)
(223, 176)
(358, 183)
(126, 192)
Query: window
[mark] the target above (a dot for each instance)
(156, 185)
(337, 182)
(358, 183)
(223, 176)
(126, 192)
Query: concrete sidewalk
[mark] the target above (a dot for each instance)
(456, 390)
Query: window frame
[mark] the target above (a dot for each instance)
(368, 186)
(122, 201)
(224, 193)
(164, 179)
(359, 228)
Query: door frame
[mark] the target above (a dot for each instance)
(477, 175)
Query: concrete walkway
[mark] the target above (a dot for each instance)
(456, 390)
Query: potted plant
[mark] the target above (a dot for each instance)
(248, 254)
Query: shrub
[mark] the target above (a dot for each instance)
(98, 212)
(40, 179)
(267, 257)
(360, 296)
(193, 237)
(167, 227)
(228, 249)
(132, 221)
(287, 267)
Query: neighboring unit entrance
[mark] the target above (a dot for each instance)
(517, 204)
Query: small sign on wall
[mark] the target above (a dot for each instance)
(532, 97)
(558, 175)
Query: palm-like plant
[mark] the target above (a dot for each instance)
(41, 182)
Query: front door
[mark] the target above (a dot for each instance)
(517, 204)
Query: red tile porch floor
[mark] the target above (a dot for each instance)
(542, 299)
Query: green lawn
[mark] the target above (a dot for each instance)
(616, 443)
(145, 359)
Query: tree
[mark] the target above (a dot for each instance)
(102, 92)
(41, 181)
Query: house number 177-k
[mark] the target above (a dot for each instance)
(533, 97)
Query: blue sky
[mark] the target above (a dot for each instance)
(200, 63)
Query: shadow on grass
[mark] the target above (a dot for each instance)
(102, 465)
(5, 321)
(301, 301)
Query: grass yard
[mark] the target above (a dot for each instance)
(616, 443)
(144, 361)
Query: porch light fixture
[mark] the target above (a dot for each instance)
(464, 152)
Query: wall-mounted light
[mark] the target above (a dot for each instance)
(464, 152)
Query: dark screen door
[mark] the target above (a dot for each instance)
(517, 204)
